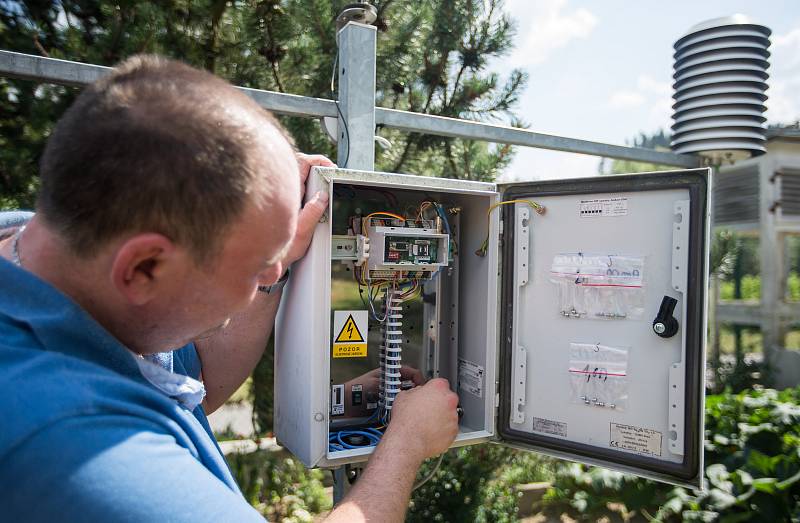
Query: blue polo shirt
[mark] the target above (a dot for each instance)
(84, 436)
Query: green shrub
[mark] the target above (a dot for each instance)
(476, 483)
(752, 454)
(281, 488)
(793, 287)
(751, 288)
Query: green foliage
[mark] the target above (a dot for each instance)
(431, 59)
(658, 141)
(476, 483)
(793, 287)
(263, 393)
(752, 453)
(750, 285)
(724, 249)
(743, 373)
(281, 488)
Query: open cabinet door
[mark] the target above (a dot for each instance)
(603, 321)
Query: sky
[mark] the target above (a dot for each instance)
(602, 70)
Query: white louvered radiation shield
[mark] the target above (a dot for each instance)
(720, 76)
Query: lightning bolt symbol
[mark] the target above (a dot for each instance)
(350, 330)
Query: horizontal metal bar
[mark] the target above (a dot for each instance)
(64, 72)
(292, 104)
(443, 126)
(49, 70)
(751, 312)
(29, 67)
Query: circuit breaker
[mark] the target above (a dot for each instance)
(569, 316)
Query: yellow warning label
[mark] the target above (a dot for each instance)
(349, 350)
(350, 327)
(349, 332)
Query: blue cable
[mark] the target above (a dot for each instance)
(441, 213)
(336, 443)
(443, 216)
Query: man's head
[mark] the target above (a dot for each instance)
(177, 190)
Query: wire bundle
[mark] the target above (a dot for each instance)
(540, 210)
(336, 440)
(391, 353)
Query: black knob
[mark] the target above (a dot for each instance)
(665, 324)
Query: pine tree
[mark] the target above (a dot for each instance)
(432, 58)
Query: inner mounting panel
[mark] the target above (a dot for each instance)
(420, 244)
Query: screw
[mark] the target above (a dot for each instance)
(659, 328)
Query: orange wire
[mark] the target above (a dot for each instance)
(393, 215)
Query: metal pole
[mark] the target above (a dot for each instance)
(356, 130)
(357, 96)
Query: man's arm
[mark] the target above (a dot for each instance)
(229, 356)
(424, 424)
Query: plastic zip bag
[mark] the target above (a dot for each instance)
(601, 286)
(599, 375)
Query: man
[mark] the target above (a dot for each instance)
(167, 200)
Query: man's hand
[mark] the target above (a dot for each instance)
(424, 419)
(424, 424)
(370, 381)
(311, 212)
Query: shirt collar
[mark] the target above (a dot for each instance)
(187, 391)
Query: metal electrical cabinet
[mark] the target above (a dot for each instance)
(576, 330)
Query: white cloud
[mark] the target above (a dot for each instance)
(545, 26)
(626, 99)
(788, 45)
(539, 164)
(652, 100)
(783, 105)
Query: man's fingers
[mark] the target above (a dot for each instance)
(306, 161)
(410, 373)
(309, 216)
(439, 383)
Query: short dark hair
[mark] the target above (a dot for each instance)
(151, 148)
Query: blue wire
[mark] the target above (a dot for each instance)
(441, 213)
(443, 216)
(373, 437)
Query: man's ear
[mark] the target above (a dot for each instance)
(142, 265)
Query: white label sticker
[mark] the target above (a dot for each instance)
(470, 377)
(635, 439)
(602, 207)
(549, 426)
(337, 400)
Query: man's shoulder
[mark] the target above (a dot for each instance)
(103, 447)
(38, 388)
(115, 468)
